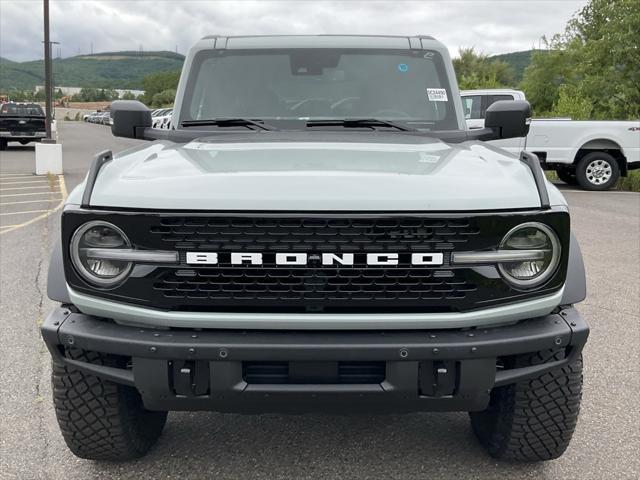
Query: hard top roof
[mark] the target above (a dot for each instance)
(320, 41)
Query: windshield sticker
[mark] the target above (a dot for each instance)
(437, 95)
(403, 67)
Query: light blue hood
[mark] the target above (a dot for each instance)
(402, 174)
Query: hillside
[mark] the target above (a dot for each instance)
(517, 60)
(101, 70)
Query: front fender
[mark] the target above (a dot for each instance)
(56, 282)
(575, 289)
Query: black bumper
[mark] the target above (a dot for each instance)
(265, 371)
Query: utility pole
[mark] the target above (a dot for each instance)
(47, 74)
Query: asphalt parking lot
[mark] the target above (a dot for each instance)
(210, 445)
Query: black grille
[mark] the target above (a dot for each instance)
(330, 285)
(314, 287)
(398, 234)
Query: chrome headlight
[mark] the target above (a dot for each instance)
(100, 270)
(534, 238)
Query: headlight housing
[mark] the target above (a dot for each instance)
(531, 273)
(101, 272)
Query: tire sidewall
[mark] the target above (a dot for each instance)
(581, 171)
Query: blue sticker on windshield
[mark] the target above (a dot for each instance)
(403, 67)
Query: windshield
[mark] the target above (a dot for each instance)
(21, 110)
(316, 84)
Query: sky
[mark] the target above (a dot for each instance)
(491, 27)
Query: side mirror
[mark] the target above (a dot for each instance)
(509, 118)
(130, 119)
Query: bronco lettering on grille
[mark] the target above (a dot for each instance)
(326, 259)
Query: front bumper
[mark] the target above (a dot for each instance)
(184, 369)
(22, 135)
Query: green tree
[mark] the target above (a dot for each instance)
(164, 98)
(477, 70)
(598, 55)
(572, 103)
(158, 83)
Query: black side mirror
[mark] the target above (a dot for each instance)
(509, 118)
(130, 119)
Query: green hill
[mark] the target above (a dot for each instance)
(101, 70)
(517, 60)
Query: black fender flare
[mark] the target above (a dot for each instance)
(575, 286)
(56, 281)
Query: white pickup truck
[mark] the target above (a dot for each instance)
(593, 154)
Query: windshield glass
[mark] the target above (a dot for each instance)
(316, 84)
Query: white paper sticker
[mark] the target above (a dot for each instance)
(437, 94)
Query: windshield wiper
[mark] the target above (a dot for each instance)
(228, 122)
(360, 122)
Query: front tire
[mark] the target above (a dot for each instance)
(99, 419)
(532, 420)
(597, 171)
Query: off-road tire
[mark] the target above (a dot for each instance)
(583, 174)
(532, 420)
(99, 419)
(567, 175)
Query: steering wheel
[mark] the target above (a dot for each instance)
(389, 112)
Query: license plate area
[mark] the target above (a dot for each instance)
(314, 373)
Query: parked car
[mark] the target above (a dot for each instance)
(94, 117)
(163, 119)
(593, 154)
(103, 118)
(21, 122)
(87, 116)
(281, 250)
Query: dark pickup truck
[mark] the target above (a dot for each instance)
(21, 122)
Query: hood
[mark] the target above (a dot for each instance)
(385, 172)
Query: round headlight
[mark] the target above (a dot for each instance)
(101, 272)
(531, 236)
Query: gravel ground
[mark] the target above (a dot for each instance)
(210, 445)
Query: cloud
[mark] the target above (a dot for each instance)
(489, 26)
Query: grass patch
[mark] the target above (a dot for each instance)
(630, 183)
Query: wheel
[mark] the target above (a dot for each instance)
(567, 175)
(597, 171)
(532, 420)
(3, 144)
(24, 142)
(101, 420)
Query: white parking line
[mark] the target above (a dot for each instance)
(29, 201)
(13, 175)
(25, 183)
(20, 213)
(24, 188)
(27, 194)
(43, 214)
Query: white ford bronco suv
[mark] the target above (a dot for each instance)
(318, 231)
